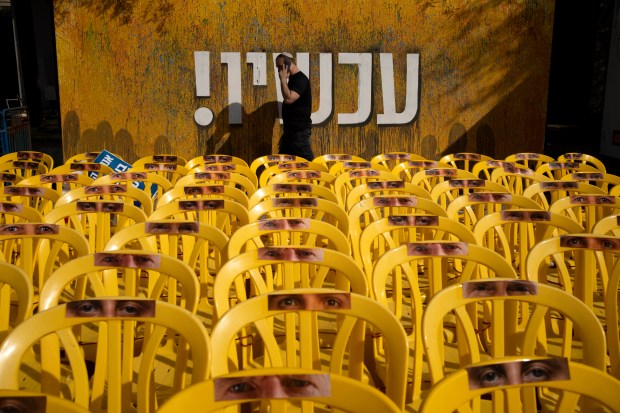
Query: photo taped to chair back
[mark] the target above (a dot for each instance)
(356, 165)
(309, 301)
(437, 248)
(298, 188)
(559, 185)
(293, 165)
(201, 205)
(127, 260)
(297, 202)
(441, 172)
(23, 190)
(588, 176)
(281, 158)
(165, 158)
(272, 387)
(467, 156)
(291, 254)
(589, 199)
(413, 220)
(498, 287)
(10, 207)
(525, 215)
(394, 156)
(214, 176)
(422, 164)
(395, 201)
(592, 242)
(385, 185)
(26, 165)
(83, 166)
(489, 197)
(283, 224)
(100, 206)
(29, 155)
(128, 176)
(105, 189)
(518, 372)
(171, 228)
(307, 174)
(8, 177)
(363, 173)
(58, 178)
(105, 307)
(29, 228)
(338, 157)
(466, 183)
(23, 404)
(203, 189)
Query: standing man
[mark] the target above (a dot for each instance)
(296, 108)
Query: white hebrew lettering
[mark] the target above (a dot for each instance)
(233, 61)
(389, 115)
(364, 82)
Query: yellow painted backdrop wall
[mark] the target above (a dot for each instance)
(127, 78)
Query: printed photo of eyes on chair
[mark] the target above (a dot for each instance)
(96, 308)
(323, 301)
(590, 242)
(145, 261)
(25, 404)
(518, 372)
(284, 224)
(272, 387)
(290, 254)
(498, 288)
(28, 229)
(437, 249)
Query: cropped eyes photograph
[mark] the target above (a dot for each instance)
(357, 165)
(216, 158)
(590, 242)
(525, 216)
(85, 167)
(272, 387)
(498, 288)
(588, 176)
(303, 174)
(466, 183)
(437, 248)
(10, 207)
(201, 205)
(212, 175)
(363, 173)
(318, 301)
(29, 155)
(29, 229)
(146, 261)
(413, 220)
(23, 190)
(489, 197)
(338, 157)
(295, 202)
(515, 170)
(592, 200)
(165, 158)
(105, 189)
(203, 189)
(220, 167)
(23, 404)
(188, 227)
(403, 201)
(300, 188)
(280, 158)
(8, 177)
(284, 224)
(559, 185)
(294, 165)
(441, 172)
(98, 206)
(59, 178)
(111, 308)
(518, 372)
(290, 254)
(128, 175)
(160, 167)
(385, 184)
(404, 156)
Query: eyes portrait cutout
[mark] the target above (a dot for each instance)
(281, 158)
(423, 164)
(413, 220)
(357, 165)
(107, 259)
(590, 242)
(319, 301)
(29, 229)
(105, 189)
(85, 166)
(499, 164)
(97, 308)
(99, 206)
(201, 205)
(394, 201)
(592, 200)
(303, 174)
(9, 207)
(179, 227)
(23, 190)
(441, 172)
(559, 185)
(290, 254)
(489, 197)
(573, 155)
(525, 216)
(272, 387)
(518, 372)
(165, 158)
(23, 404)
(284, 224)
(587, 176)
(527, 156)
(124, 176)
(467, 156)
(29, 155)
(26, 165)
(300, 202)
(8, 177)
(300, 188)
(362, 173)
(466, 183)
(518, 171)
(203, 189)
(385, 185)
(498, 288)
(58, 178)
(338, 157)
(294, 165)
(397, 156)
(437, 248)
(222, 176)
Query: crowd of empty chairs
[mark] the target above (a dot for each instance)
(390, 284)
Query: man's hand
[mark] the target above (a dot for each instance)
(284, 72)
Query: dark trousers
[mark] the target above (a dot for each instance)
(296, 143)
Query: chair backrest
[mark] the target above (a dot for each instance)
(513, 233)
(218, 212)
(40, 198)
(370, 189)
(345, 182)
(114, 371)
(92, 169)
(486, 317)
(445, 192)
(429, 178)
(204, 190)
(21, 401)
(583, 158)
(96, 220)
(14, 279)
(302, 207)
(346, 323)
(120, 192)
(287, 231)
(464, 160)
(336, 391)
(305, 176)
(530, 160)
(612, 315)
(516, 178)
(546, 193)
(342, 167)
(407, 170)
(151, 183)
(603, 180)
(60, 183)
(24, 168)
(391, 159)
(34, 156)
(484, 169)
(581, 384)
(12, 212)
(610, 225)
(219, 178)
(276, 268)
(331, 158)
(171, 171)
(587, 209)
(271, 191)
(557, 170)
(231, 167)
(280, 167)
(214, 158)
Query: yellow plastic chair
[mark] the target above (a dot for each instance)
(382, 235)
(381, 206)
(214, 158)
(35, 156)
(269, 269)
(583, 158)
(513, 234)
(40, 198)
(113, 192)
(83, 157)
(370, 189)
(111, 388)
(445, 192)
(220, 213)
(609, 225)
(171, 171)
(306, 176)
(406, 170)
(92, 169)
(612, 315)
(160, 158)
(61, 183)
(258, 165)
(429, 178)
(287, 231)
(577, 263)
(587, 209)
(300, 346)
(530, 160)
(464, 160)
(586, 384)
(201, 246)
(470, 208)
(302, 207)
(219, 178)
(203, 397)
(391, 159)
(204, 190)
(230, 167)
(516, 178)
(546, 193)
(96, 220)
(40, 248)
(603, 180)
(24, 401)
(342, 167)
(24, 168)
(280, 167)
(13, 212)
(272, 191)
(14, 309)
(484, 326)
(154, 185)
(345, 182)
(484, 169)
(331, 158)
(8, 179)
(557, 170)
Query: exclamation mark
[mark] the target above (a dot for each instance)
(202, 116)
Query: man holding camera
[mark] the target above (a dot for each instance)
(296, 108)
